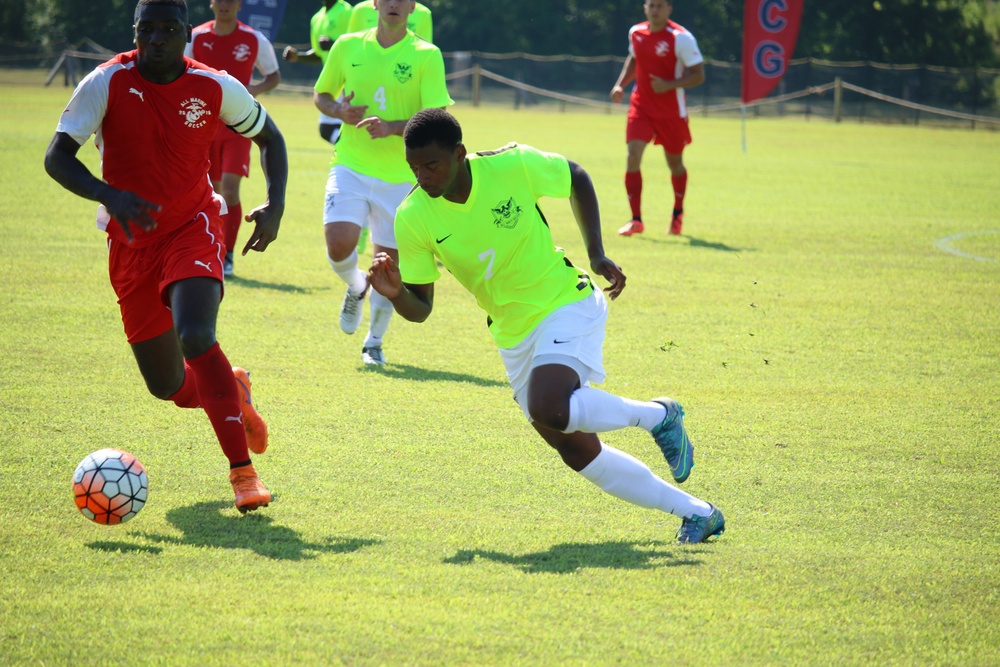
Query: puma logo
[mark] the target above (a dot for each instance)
(208, 267)
(238, 419)
(137, 92)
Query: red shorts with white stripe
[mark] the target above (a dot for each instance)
(141, 276)
(229, 154)
(671, 133)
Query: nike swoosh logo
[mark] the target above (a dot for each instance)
(442, 240)
(559, 342)
(356, 64)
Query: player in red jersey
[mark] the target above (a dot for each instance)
(229, 45)
(663, 59)
(155, 114)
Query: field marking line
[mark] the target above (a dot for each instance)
(945, 245)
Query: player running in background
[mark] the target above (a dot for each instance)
(387, 74)
(478, 215)
(663, 59)
(325, 26)
(156, 113)
(233, 47)
(364, 16)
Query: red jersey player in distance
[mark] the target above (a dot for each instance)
(227, 44)
(155, 114)
(663, 60)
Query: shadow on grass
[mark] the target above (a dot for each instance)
(277, 287)
(407, 372)
(569, 558)
(206, 525)
(122, 547)
(695, 242)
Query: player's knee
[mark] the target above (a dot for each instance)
(195, 340)
(548, 411)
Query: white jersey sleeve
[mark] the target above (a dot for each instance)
(86, 108)
(267, 60)
(687, 50)
(240, 111)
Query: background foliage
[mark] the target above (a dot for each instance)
(955, 33)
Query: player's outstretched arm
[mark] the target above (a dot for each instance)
(583, 199)
(274, 161)
(125, 207)
(413, 302)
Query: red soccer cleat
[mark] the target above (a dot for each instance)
(676, 222)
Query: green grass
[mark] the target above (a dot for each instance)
(839, 371)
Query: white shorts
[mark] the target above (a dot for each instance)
(364, 200)
(571, 336)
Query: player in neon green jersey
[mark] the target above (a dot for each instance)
(479, 216)
(364, 16)
(387, 74)
(325, 26)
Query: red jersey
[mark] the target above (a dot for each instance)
(154, 138)
(236, 53)
(666, 54)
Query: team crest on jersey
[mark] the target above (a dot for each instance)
(241, 53)
(662, 48)
(195, 112)
(403, 72)
(506, 214)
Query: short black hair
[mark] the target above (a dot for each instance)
(432, 126)
(175, 3)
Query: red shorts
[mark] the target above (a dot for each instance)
(671, 133)
(229, 154)
(141, 276)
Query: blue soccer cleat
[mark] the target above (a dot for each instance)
(673, 440)
(700, 528)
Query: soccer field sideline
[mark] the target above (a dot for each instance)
(839, 370)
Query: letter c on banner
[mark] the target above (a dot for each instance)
(768, 59)
(770, 15)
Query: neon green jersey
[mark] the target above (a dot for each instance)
(364, 16)
(497, 244)
(395, 83)
(330, 22)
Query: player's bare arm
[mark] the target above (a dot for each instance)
(626, 77)
(269, 83)
(345, 111)
(274, 161)
(583, 199)
(695, 76)
(126, 208)
(412, 302)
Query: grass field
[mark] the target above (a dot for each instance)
(830, 321)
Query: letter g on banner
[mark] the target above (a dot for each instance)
(769, 60)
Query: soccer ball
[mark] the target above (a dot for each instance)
(110, 486)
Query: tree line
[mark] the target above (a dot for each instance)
(950, 33)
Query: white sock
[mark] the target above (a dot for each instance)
(349, 272)
(382, 311)
(630, 479)
(596, 411)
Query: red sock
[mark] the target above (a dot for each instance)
(220, 398)
(633, 186)
(187, 395)
(231, 221)
(680, 186)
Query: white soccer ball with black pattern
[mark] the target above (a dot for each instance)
(110, 486)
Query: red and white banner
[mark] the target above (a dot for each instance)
(770, 30)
